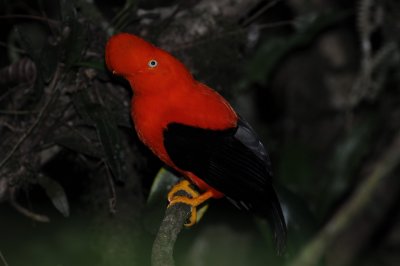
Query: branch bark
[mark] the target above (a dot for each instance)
(313, 251)
(3, 259)
(163, 246)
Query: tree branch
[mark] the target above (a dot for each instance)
(163, 246)
(34, 216)
(313, 252)
(3, 259)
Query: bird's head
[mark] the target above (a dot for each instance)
(145, 66)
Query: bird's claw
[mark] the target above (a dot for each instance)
(193, 199)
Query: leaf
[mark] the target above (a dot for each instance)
(162, 183)
(76, 37)
(75, 44)
(81, 102)
(95, 64)
(78, 143)
(56, 194)
(295, 167)
(67, 10)
(124, 16)
(350, 150)
(107, 131)
(260, 68)
(34, 40)
(346, 160)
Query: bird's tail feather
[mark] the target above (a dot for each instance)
(272, 211)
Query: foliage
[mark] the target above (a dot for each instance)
(318, 80)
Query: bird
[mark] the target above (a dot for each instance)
(195, 131)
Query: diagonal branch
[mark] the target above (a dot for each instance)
(163, 246)
(2, 259)
(34, 216)
(315, 250)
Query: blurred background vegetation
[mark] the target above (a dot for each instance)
(319, 80)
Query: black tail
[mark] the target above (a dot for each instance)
(272, 211)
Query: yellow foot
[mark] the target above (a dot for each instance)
(185, 186)
(194, 199)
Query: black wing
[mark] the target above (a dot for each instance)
(233, 161)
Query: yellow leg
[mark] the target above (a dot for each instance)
(183, 185)
(194, 200)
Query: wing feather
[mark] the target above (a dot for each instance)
(233, 161)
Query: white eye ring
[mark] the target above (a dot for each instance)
(152, 63)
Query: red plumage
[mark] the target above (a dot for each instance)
(194, 130)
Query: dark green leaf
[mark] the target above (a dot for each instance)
(56, 194)
(273, 50)
(34, 40)
(75, 44)
(350, 151)
(98, 65)
(68, 10)
(345, 161)
(295, 168)
(82, 102)
(76, 39)
(107, 131)
(162, 183)
(124, 16)
(80, 144)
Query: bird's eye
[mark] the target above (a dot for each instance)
(152, 63)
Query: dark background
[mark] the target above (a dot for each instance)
(319, 81)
